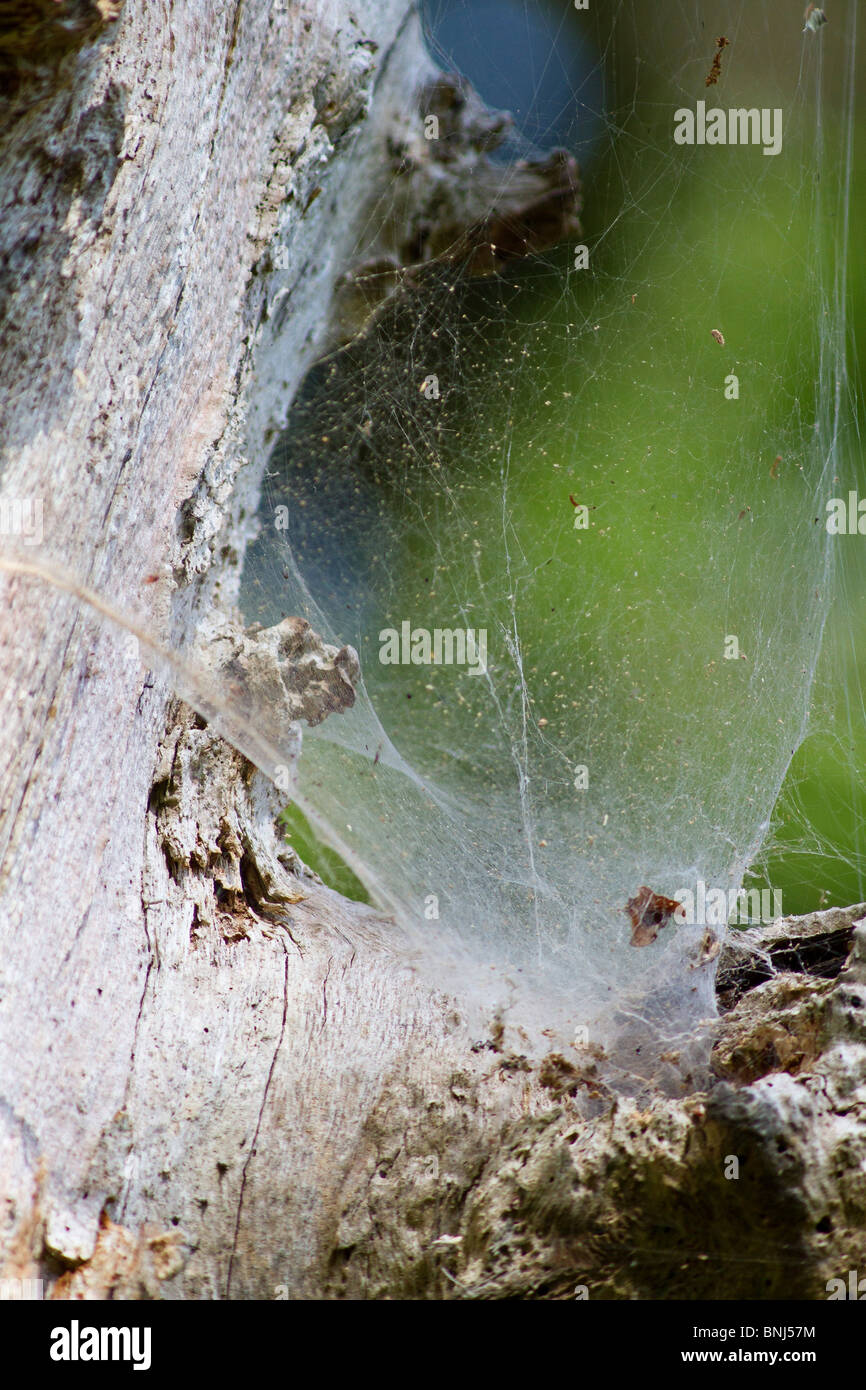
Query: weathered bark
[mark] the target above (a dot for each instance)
(183, 1064)
(219, 1079)
(151, 168)
(605, 1197)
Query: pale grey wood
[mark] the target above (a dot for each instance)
(147, 184)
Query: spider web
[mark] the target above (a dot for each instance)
(652, 675)
(664, 653)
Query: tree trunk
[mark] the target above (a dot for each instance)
(220, 1079)
(161, 1038)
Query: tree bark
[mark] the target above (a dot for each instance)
(153, 163)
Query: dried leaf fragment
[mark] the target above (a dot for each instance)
(709, 948)
(648, 913)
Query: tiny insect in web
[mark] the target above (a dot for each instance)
(814, 18)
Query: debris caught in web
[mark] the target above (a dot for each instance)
(648, 913)
(715, 71)
(814, 18)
